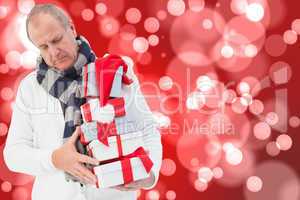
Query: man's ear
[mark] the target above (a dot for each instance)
(72, 26)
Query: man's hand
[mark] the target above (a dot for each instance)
(136, 185)
(68, 159)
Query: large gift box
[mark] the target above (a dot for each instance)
(133, 167)
(115, 146)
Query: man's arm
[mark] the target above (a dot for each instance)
(22, 156)
(19, 153)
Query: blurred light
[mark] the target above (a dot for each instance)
(227, 51)
(218, 172)
(243, 87)
(239, 105)
(255, 12)
(254, 184)
(6, 186)
(4, 68)
(152, 195)
(246, 99)
(280, 72)
(272, 118)
(165, 83)
(162, 120)
(296, 26)
(7, 93)
(205, 173)
(207, 24)
(196, 5)
(168, 167)
(153, 40)
(101, 8)
(133, 15)
(176, 7)
(109, 26)
(262, 130)
(229, 95)
(290, 37)
(12, 59)
(272, 149)
(250, 51)
(161, 15)
(28, 59)
(87, 14)
(194, 162)
(294, 121)
(25, 6)
(234, 156)
(140, 44)
(3, 129)
(3, 12)
(257, 107)
(275, 45)
(195, 101)
(238, 6)
(200, 185)
(284, 141)
(205, 84)
(227, 146)
(151, 25)
(170, 195)
(213, 147)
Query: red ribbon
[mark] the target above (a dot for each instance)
(86, 109)
(126, 165)
(119, 106)
(105, 130)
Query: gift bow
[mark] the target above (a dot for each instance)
(126, 165)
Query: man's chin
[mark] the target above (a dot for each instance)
(63, 65)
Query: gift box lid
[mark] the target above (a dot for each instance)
(113, 139)
(116, 165)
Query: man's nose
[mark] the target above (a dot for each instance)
(53, 50)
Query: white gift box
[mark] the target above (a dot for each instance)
(119, 145)
(123, 171)
(92, 111)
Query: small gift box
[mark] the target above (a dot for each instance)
(115, 146)
(89, 83)
(92, 111)
(133, 167)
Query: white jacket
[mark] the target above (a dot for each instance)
(36, 130)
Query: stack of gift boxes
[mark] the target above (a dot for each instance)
(121, 155)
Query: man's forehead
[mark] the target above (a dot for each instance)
(43, 26)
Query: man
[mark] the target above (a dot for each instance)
(37, 143)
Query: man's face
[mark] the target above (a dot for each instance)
(56, 43)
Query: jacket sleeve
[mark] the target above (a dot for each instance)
(152, 137)
(20, 155)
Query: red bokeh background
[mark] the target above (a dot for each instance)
(187, 41)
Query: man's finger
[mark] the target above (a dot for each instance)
(75, 135)
(86, 159)
(86, 173)
(78, 176)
